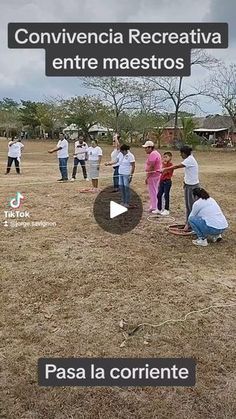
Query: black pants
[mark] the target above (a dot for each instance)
(82, 163)
(9, 164)
(164, 189)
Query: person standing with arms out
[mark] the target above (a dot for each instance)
(114, 155)
(153, 174)
(191, 179)
(14, 154)
(63, 156)
(165, 185)
(206, 218)
(126, 161)
(94, 159)
(80, 157)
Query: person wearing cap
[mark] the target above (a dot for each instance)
(153, 174)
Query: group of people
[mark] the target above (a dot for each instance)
(204, 217)
(82, 154)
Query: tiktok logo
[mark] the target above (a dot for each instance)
(16, 201)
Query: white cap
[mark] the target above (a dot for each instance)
(148, 144)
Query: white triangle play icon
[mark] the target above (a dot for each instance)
(116, 209)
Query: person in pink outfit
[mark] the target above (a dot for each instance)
(153, 173)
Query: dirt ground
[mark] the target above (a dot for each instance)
(66, 288)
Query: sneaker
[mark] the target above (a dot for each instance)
(200, 242)
(156, 211)
(87, 180)
(60, 180)
(217, 238)
(72, 179)
(165, 213)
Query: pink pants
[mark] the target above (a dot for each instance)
(153, 184)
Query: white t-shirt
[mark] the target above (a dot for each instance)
(63, 153)
(210, 212)
(124, 162)
(114, 156)
(94, 153)
(81, 150)
(191, 170)
(14, 150)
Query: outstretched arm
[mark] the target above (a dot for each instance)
(177, 166)
(54, 150)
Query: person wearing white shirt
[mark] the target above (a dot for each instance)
(63, 156)
(191, 179)
(114, 156)
(14, 154)
(80, 157)
(206, 218)
(126, 161)
(94, 159)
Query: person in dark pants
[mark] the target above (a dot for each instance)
(114, 155)
(165, 185)
(63, 156)
(14, 153)
(191, 179)
(80, 157)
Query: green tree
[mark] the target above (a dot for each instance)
(85, 112)
(188, 135)
(9, 116)
(28, 115)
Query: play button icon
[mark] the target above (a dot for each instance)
(113, 216)
(116, 209)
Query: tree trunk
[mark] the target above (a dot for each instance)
(177, 112)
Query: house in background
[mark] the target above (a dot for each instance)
(95, 131)
(214, 128)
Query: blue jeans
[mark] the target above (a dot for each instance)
(124, 188)
(164, 188)
(202, 230)
(63, 167)
(116, 177)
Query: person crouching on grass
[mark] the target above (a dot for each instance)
(191, 180)
(153, 174)
(126, 162)
(165, 185)
(206, 218)
(63, 156)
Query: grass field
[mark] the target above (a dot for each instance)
(66, 288)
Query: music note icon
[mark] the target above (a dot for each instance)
(16, 201)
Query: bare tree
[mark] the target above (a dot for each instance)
(172, 91)
(116, 92)
(221, 87)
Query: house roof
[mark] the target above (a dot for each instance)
(208, 123)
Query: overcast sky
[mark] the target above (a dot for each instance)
(22, 71)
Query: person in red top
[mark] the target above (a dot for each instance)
(165, 185)
(153, 173)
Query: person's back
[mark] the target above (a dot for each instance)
(210, 211)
